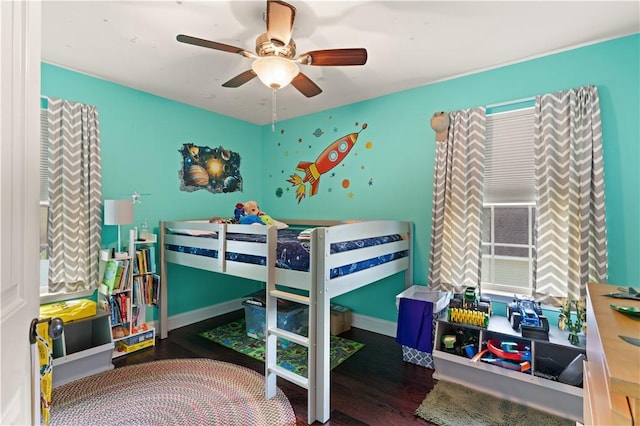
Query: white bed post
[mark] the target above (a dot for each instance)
(271, 320)
(312, 351)
(322, 345)
(162, 323)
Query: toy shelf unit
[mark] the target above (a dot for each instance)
(497, 360)
(127, 287)
(84, 348)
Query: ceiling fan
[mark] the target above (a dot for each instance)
(274, 61)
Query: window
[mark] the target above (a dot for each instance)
(508, 247)
(508, 233)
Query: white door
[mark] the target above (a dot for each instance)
(19, 202)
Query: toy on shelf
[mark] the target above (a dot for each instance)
(510, 355)
(525, 315)
(461, 342)
(509, 350)
(468, 316)
(469, 308)
(577, 325)
(471, 301)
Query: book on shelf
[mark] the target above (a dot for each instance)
(114, 311)
(109, 278)
(155, 293)
(144, 262)
(152, 259)
(146, 289)
(124, 279)
(118, 279)
(140, 267)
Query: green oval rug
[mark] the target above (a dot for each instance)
(451, 404)
(171, 392)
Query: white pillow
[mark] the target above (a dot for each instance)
(280, 225)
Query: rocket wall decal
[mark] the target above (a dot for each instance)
(327, 160)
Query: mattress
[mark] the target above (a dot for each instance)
(294, 254)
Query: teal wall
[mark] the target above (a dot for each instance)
(389, 171)
(141, 135)
(400, 162)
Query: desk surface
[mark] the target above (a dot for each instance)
(622, 358)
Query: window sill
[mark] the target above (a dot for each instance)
(58, 297)
(504, 297)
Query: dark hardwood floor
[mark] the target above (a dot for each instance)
(372, 387)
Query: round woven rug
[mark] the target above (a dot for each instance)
(171, 392)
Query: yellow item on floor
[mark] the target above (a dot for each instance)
(45, 351)
(70, 310)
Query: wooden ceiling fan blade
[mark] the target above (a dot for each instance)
(241, 79)
(305, 85)
(213, 45)
(331, 57)
(280, 17)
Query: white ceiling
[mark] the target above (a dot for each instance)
(409, 44)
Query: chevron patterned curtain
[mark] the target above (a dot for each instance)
(75, 196)
(571, 247)
(456, 223)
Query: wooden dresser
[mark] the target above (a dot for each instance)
(612, 369)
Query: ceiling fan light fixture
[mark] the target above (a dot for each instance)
(274, 71)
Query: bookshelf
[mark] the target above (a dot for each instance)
(128, 286)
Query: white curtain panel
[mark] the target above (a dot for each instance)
(456, 224)
(571, 247)
(75, 196)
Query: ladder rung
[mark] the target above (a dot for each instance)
(290, 296)
(296, 338)
(290, 376)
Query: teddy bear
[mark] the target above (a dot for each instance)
(251, 208)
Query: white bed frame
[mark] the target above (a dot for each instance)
(321, 289)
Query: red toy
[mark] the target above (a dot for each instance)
(509, 350)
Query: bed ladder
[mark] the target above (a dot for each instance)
(272, 369)
(316, 409)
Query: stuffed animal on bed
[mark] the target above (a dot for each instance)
(250, 219)
(251, 208)
(238, 212)
(252, 214)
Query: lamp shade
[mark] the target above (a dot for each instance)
(118, 212)
(275, 71)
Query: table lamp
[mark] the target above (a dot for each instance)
(118, 212)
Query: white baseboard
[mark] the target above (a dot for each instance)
(197, 315)
(375, 325)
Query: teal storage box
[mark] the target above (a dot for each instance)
(292, 317)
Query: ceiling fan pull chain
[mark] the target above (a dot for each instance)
(273, 110)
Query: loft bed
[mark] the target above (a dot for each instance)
(336, 258)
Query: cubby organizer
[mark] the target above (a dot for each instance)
(536, 387)
(84, 348)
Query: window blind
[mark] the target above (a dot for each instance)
(509, 165)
